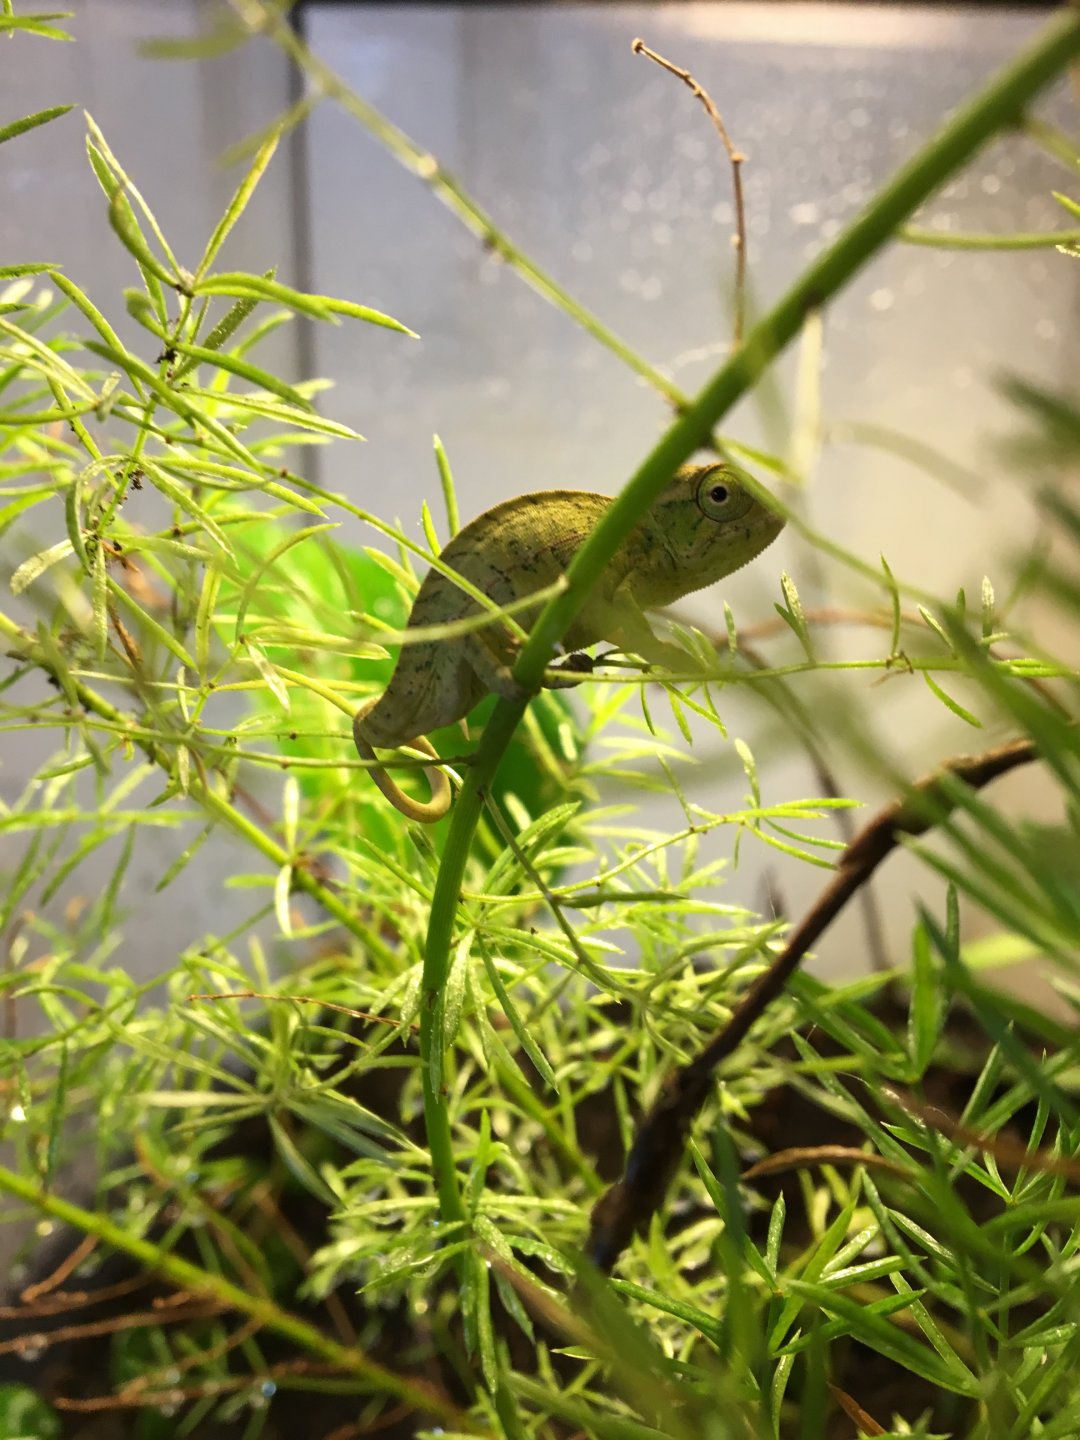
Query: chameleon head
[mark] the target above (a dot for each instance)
(710, 523)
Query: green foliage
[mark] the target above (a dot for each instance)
(191, 631)
(25, 1416)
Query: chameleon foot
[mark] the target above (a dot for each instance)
(577, 663)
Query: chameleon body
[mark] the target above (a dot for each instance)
(703, 526)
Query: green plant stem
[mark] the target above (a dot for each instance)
(997, 106)
(970, 240)
(1054, 141)
(188, 1277)
(448, 885)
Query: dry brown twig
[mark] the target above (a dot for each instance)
(56, 1277)
(737, 159)
(298, 1000)
(628, 1206)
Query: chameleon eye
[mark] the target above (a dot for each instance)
(719, 497)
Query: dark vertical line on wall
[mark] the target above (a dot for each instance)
(300, 213)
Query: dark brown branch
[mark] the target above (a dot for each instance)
(657, 1151)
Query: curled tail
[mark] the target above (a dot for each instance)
(427, 813)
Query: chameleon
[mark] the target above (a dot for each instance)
(704, 525)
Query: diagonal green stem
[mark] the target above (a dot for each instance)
(262, 18)
(369, 1374)
(996, 107)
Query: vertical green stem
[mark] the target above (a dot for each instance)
(440, 937)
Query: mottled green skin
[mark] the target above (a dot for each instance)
(525, 545)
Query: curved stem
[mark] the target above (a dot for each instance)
(996, 107)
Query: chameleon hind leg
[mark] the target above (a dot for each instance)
(426, 812)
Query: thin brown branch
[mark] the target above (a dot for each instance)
(355, 1429)
(64, 1301)
(150, 1380)
(792, 711)
(655, 1155)
(1009, 1153)
(264, 1202)
(177, 1394)
(194, 1310)
(737, 159)
(804, 1156)
(300, 1000)
(245, 1271)
(86, 1247)
(853, 1410)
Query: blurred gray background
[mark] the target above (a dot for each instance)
(606, 171)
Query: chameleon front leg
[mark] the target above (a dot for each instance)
(629, 629)
(493, 658)
(425, 812)
(576, 663)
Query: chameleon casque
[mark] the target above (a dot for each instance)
(705, 524)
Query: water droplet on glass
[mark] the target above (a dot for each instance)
(990, 184)
(805, 213)
(882, 300)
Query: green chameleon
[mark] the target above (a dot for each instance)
(704, 525)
